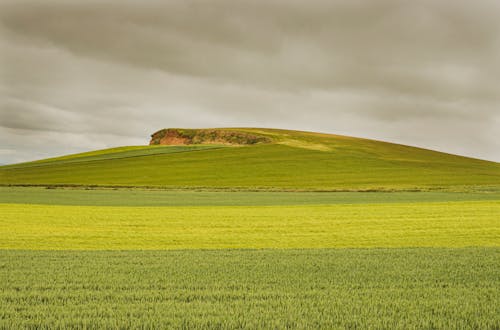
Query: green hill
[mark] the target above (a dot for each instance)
(273, 159)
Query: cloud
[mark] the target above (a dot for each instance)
(423, 73)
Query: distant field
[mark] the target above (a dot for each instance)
(450, 224)
(294, 161)
(252, 289)
(143, 197)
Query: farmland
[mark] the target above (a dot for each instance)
(306, 231)
(435, 288)
(150, 197)
(452, 224)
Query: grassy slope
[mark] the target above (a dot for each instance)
(296, 160)
(112, 153)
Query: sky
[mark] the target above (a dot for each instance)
(83, 75)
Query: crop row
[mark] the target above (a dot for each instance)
(347, 288)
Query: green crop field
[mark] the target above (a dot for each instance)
(251, 289)
(303, 231)
(187, 259)
(149, 197)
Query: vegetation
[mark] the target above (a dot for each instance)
(53, 227)
(207, 136)
(251, 234)
(149, 197)
(251, 289)
(113, 153)
(293, 161)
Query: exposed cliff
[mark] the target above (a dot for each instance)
(178, 136)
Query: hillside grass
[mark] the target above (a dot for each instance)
(54, 227)
(251, 289)
(113, 153)
(293, 161)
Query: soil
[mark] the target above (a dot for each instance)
(174, 136)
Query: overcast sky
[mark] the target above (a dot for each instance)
(88, 74)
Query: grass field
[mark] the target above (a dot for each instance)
(143, 197)
(294, 161)
(175, 264)
(252, 289)
(113, 153)
(47, 227)
(252, 237)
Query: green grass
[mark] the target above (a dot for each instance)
(148, 197)
(294, 161)
(252, 289)
(142, 197)
(133, 258)
(113, 153)
(53, 227)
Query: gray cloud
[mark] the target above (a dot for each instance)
(81, 75)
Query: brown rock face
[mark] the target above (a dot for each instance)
(175, 136)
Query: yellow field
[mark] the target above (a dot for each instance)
(52, 227)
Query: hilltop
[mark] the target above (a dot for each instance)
(261, 159)
(179, 136)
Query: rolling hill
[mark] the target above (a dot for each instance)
(267, 159)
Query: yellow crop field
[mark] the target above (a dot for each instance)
(54, 227)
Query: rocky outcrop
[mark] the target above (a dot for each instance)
(177, 136)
